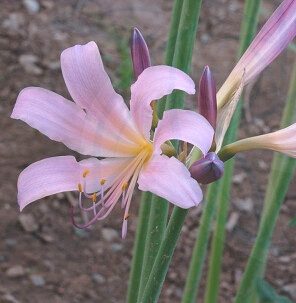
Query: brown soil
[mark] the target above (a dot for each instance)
(48, 260)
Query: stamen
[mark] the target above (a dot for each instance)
(85, 173)
(94, 199)
(127, 216)
(102, 182)
(80, 187)
(124, 185)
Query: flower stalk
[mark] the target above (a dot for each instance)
(282, 169)
(214, 190)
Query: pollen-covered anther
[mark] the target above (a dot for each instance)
(85, 173)
(124, 185)
(94, 197)
(103, 181)
(127, 216)
(80, 187)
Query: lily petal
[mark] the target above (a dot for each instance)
(154, 83)
(91, 88)
(272, 39)
(63, 121)
(282, 141)
(170, 179)
(184, 125)
(60, 174)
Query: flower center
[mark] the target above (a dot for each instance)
(110, 191)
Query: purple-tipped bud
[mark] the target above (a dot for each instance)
(208, 169)
(140, 53)
(207, 102)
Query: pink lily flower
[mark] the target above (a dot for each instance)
(282, 141)
(99, 124)
(275, 35)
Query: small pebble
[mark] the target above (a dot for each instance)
(109, 234)
(11, 242)
(32, 6)
(37, 280)
(28, 222)
(290, 289)
(99, 278)
(15, 271)
(116, 246)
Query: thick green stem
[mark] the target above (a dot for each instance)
(222, 193)
(260, 248)
(164, 256)
(182, 59)
(201, 244)
(277, 170)
(156, 229)
(139, 248)
(171, 46)
(217, 245)
(159, 219)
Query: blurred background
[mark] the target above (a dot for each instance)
(43, 258)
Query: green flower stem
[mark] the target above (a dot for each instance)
(183, 55)
(171, 46)
(164, 256)
(217, 246)
(155, 233)
(279, 164)
(139, 248)
(201, 243)
(141, 241)
(222, 193)
(187, 27)
(260, 248)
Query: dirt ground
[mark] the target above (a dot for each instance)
(43, 258)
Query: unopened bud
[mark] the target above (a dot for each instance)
(207, 102)
(139, 52)
(208, 169)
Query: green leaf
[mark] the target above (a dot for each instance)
(268, 294)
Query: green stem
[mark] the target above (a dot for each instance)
(217, 246)
(156, 229)
(139, 248)
(181, 59)
(171, 46)
(183, 55)
(155, 219)
(201, 243)
(260, 248)
(164, 256)
(222, 193)
(277, 169)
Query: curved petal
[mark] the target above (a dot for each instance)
(60, 174)
(65, 122)
(91, 88)
(184, 125)
(170, 179)
(154, 83)
(275, 35)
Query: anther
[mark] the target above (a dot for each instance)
(127, 216)
(80, 187)
(85, 173)
(94, 197)
(124, 185)
(102, 182)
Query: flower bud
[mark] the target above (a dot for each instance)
(208, 169)
(139, 52)
(207, 102)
